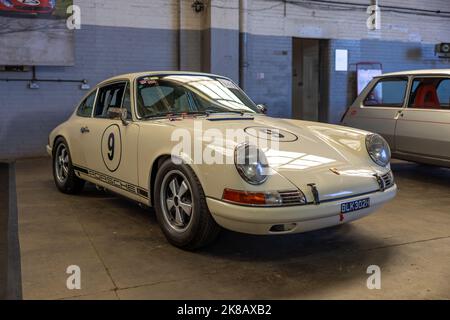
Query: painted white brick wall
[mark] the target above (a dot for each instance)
(224, 14)
(320, 22)
(267, 17)
(160, 14)
(157, 14)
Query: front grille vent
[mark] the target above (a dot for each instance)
(388, 180)
(292, 197)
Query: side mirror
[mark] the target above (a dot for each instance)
(262, 107)
(119, 114)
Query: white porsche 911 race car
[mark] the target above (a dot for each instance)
(198, 150)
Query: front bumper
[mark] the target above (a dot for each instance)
(259, 220)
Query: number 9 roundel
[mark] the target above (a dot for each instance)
(112, 147)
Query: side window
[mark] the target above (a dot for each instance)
(443, 92)
(430, 93)
(85, 108)
(388, 92)
(109, 97)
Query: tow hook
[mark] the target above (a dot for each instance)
(315, 193)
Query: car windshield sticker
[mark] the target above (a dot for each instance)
(148, 81)
(227, 83)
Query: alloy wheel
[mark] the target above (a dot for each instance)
(61, 163)
(177, 200)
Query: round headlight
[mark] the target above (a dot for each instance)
(251, 163)
(378, 149)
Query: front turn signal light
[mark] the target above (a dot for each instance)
(244, 197)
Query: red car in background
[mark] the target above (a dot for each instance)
(28, 6)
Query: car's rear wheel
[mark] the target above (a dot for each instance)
(63, 173)
(181, 207)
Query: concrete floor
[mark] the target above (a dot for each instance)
(124, 255)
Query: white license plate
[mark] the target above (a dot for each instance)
(355, 205)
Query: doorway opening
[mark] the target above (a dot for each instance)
(308, 85)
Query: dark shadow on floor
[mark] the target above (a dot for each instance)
(421, 173)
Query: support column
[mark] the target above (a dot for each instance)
(191, 24)
(222, 38)
(209, 40)
(243, 42)
(10, 272)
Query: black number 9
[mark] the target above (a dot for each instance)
(111, 146)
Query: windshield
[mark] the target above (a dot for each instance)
(172, 94)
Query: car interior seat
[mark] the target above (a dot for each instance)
(426, 97)
(113, 100)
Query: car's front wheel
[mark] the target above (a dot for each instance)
(181, 208)
(63, 173)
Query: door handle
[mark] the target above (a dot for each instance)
(399, 114)
(84, 129)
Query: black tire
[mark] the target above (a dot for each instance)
(201, 229)
(71, 184)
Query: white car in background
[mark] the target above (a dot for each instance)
(120, 137)
(411, 110)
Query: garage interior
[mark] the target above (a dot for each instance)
(283, 54)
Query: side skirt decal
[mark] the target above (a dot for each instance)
(120, 184)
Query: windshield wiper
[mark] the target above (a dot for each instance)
(199, 112)
(241, 112)
(175, 114)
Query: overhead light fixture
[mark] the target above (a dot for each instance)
(84, 85)
(443, 50)
(198, 6)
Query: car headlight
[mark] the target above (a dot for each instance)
(251, 163)
(378, 149)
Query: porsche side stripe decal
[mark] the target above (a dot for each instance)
(126, 186)
(82, 170)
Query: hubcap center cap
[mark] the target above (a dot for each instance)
(176, 201)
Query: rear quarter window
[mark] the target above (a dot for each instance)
(86, 106)
(443, 92)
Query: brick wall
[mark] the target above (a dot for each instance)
(27, 116)
(405, 42)
(327, 22)
(268, 74)
(123, 36)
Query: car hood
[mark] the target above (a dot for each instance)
(334, 158)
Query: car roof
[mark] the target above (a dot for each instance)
(134, 75)
(417, 72)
